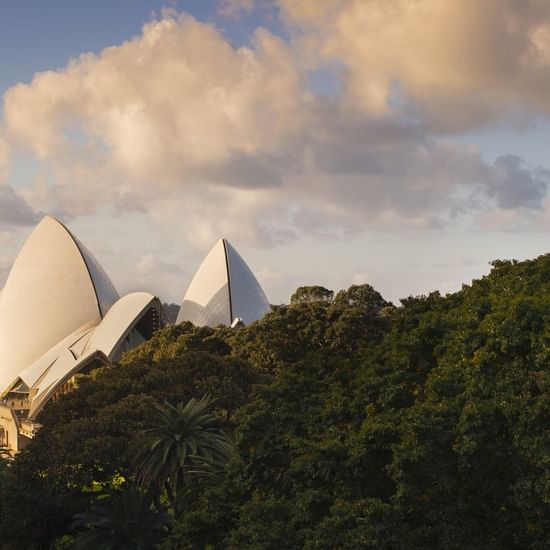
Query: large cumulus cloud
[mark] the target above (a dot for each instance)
(216, 140)
(456, 64)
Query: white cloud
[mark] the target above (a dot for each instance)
(456, 64)
(176, 115)
(515, 186)
(234, 8)
(4, 159)
(217, 140)
(163, 278)
(170, 102)
(14, 210)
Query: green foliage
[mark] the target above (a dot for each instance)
(311, 294)
(124, 519)
(4, 471)
(173, 341)
(86, 435)
(356, 424)
(362, 297)
(182, 445)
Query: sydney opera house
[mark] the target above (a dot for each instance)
(60, 315)
(223, 291)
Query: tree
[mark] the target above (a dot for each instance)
(312, 294)
(363, 297)
(184, 444)
(356, 424)
(4, 470)
(86, 434)
(123, 519)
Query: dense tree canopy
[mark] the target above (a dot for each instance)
(122, 519)
(357, 424)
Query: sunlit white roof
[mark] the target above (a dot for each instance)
(223, 289)
(119, 321)
(55, 287)
(35, 371)
(59, 312)
(101, 343)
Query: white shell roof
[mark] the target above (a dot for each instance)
(106, 293)
(55, 287)
(248, 300)
(206, 301)
(70, 356)
(60, 371)
(222, 289)
(120, 320)
(33, 373)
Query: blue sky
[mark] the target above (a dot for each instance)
(287, 140)
(38, 36)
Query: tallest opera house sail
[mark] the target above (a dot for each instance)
(60, 314)
(55, 288)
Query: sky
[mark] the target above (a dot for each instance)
(335, 142)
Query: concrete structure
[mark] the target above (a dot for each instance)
(223, 291)
(60, 315)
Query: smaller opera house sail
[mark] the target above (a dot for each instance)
(60, 315)
(223, 291)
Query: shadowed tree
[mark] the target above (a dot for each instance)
(122, 520)
(4, 469)
(184, 446)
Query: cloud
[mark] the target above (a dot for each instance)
(213, 140)
(158, 276)
(235, 8)
(14, 210)
(456, 65)
(514, 186)
(172, 115)
(4, 159)
(360, 278)
(174, 100)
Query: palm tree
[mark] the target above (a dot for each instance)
(121, 520)
(184, 446)
(4, 468)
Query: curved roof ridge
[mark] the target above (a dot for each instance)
(206, 301)
(53, 288)
(73, 239)
(247, 295)
(225, 242)
(222, 289)
(103, 305)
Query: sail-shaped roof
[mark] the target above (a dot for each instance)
(105, 291)
(59, 315)
(248, 300)
(223, 289)
(79, 349)
(55, 287)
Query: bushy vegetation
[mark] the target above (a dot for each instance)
(353, 423)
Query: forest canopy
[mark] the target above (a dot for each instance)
(354, 423)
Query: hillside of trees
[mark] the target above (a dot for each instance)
(338, 421)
